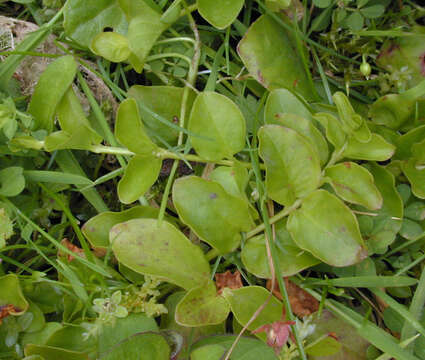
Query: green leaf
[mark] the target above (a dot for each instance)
(415, 211)
(245, 301)
(334, 132)
(129, 129)
(220, 13)
(41, 337)
(56, 177)
(306, 128)
(52, 353)
(385, 228)
(373, 11)
(272, 59)
(152, 346)
(416, 177)
(350, 121)
(282, 101)
(406, 141)
(377, 149)
(11, 294)
(362, 191)
(12, 181)
(354, 21)
(202, 306)
(164, 101)
(219, 124)
(326, 347)
(292, 259)
(160, 250)
(54, 82)
(247, 348)
(219, 217)
(77, 131)
(96, 230)
(6, 228)
(144, 28)
(328, 229)
(122, 329)
(112, 46)
(83, 20)
(292, 164)
(322, 3)
(140, 174)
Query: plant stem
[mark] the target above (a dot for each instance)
(279, 216)
(191, 78)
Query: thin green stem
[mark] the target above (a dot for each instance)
(191, 78)
(168, 55)
(416, 310)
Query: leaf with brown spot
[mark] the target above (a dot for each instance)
(229, 280)
(74, 248)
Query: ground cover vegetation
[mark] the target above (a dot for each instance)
(205, 180)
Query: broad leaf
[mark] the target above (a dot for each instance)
(83, 20)
(292, 164)
(129, 129)
(220, 13)
(140, 174)
(353, 183)
(305, 127)
(328, 229)
(377, 149)
(160, 250)
(334, 132)
(245, 301)
(11, 294)
(282, 101)
(51, 87)
(416, 177)
(406, 141)
(272, 59)
(247, 348)
(96, 230)
(202, 306)
(153, 346)
(12, 181)
(292, 259)
(112, 46)
(164, 101)
(52, 353)
(219, 217)
(219, 126)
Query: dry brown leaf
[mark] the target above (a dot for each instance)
(6, 310)
(302, 303)
(228, 280)
(74, 248)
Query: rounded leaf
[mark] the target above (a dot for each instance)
(214, 215)
(220, 13)
(416, 177)
(140, 174)
(202, 306)
(219, 126)
(160, 250)
(355, 184)
(129, 129)
(292, 164)
(377, 149)
(112, 46)
(11, 294)
(327, 228)
(12, 181)
(282, 101)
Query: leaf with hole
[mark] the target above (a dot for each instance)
(328, 229)
(219, 217)
(160, 250)
(219, 126)
(292, 164)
